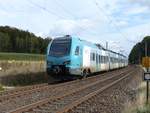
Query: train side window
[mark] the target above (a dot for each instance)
(77, 50)
(107, 59)
(97, 58)
(93, 56)
(111, 59)
(104, 59)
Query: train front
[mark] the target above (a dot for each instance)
(58, 57)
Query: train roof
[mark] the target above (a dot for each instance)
(99, 46)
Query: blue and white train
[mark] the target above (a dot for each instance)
(71, 57)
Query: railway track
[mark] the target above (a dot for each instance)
(21, 89)
(109, 100)
(9, 95)
(64, 100)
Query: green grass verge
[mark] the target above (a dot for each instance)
(144, 109)
(1, 88)
(21, 56)
(138, 105)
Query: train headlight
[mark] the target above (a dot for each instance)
(49, 63)
(67, 62)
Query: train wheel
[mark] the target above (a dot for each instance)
(84, 75)
(89, 72)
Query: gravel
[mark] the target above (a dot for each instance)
(113, 100)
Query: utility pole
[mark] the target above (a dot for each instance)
(106, 45)
(147, 82)
(140, 54)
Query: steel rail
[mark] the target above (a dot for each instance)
(46, 100)
(87, 97)
(43, 87)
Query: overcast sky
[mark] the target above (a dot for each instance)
(120, 22)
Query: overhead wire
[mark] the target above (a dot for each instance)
(75, 17)
(114, 24)
(66, 10)
(112, 21)
(45, 9)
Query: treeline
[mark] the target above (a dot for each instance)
(19, 41)
(138, 51)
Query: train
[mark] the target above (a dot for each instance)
(70, 57)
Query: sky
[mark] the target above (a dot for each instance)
(121, 23)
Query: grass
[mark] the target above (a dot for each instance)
(144, 109)
(139, 106)
(1, 88)
(21, 56)
(24, 79)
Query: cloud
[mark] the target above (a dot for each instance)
(141, 2)
(72, 27)
(82, 18)
(136, 33)
(122, 23)
(137, 10)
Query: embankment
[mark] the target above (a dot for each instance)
(22, 72)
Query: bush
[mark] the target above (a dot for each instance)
(1, 88)
(145, 109)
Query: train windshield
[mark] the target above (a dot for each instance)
(60, 47)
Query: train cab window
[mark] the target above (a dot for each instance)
(77, 50)
(60, 47)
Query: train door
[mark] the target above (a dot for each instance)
(109, 62)
(97, 62)
(86, 56)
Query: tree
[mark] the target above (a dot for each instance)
(4, 42)
(138, 51)
(16, 40)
